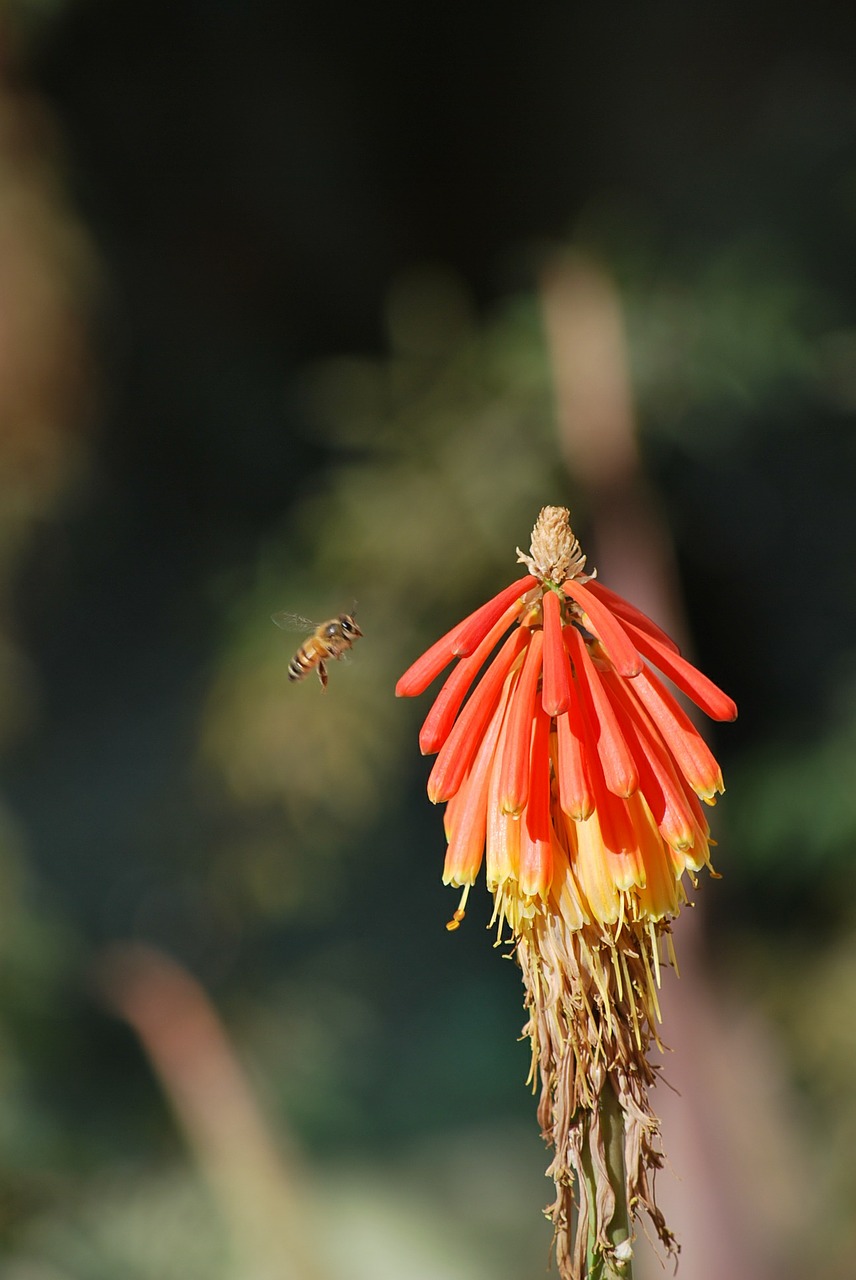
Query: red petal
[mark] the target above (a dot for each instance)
(536, 864)
(514, 778)
(629, 613)
(575, 794)
(472, 630)
(689, 680)
(556, 691)
(691, 753)
(466, 814)
(438, 722)
(458, 750)
(619, 770)
(537, 815)
(426, 668)
(658, 780)
(536, 845)
(609, 631)
(616, 827)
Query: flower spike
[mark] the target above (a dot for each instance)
(577, 778)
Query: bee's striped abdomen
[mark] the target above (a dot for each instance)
(301, 664)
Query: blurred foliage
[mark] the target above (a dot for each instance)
(439, 451)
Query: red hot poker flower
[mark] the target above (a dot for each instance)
(576, 769)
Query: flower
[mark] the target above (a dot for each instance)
(573, 773)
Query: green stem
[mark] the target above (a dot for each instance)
(618, 1230)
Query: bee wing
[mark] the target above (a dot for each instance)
(293, 622)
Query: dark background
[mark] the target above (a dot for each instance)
(278, 346)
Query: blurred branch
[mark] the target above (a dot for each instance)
(597, 435)
(213, 1103)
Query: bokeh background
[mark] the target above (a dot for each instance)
(302, 305)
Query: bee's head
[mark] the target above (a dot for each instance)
(349, 625)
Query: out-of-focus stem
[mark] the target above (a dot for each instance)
(616, 1264)
(619, 1230)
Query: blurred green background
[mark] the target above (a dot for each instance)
(272, 336)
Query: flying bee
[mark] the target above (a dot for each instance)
(328, 640)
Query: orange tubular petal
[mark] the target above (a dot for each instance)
(438, 722)
(514, 778)
(610, 812)
(619, 770)
(536, 853)
(426, 668)
(628, 612)
(689, 680)
(472, 630)
(691, 753)
(466, 813)
(556, 691)
(593, 871)
(618, 837)
(462, 743)
(576, 797)
(536, 864)
(502, 858)
(659, 782)
(537, 816)
(609, 631)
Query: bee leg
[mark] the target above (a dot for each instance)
(322, 674)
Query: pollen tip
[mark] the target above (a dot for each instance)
(555, 553)
(511, 808)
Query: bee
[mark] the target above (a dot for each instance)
(328, 640)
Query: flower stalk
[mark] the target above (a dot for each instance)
(573, 773)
